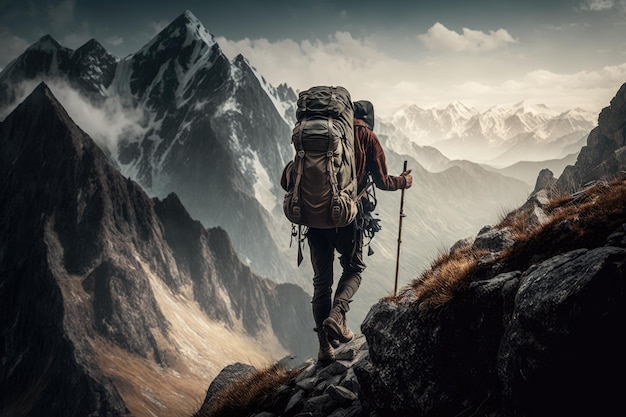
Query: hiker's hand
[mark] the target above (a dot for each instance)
(408, 178)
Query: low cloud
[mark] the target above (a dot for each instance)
(591, 90)
(597, 5)
(606, 77)
(106, 123)
(442, 38)
(603, 5)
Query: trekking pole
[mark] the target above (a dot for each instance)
(395, 287)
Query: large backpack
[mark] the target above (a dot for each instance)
(321, 180)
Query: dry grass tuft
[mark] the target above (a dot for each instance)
(446, 277)
(582, 220)
(560, 201)
(519, 224)
(244, 397)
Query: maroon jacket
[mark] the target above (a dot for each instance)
(370, 158)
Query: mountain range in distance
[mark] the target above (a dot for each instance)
(499, 136)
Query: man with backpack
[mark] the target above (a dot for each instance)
(347, 241)
(338, 147)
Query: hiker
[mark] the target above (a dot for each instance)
(329, 312)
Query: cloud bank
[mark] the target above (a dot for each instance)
(369, 72)
(440, 37)
(598, 6)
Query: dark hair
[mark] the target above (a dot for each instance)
(364, 110)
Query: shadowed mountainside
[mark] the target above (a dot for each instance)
(113, 302)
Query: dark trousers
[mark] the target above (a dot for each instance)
(348, 242)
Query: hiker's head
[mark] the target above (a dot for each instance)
(364, 110)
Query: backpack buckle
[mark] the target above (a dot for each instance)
(301, 154)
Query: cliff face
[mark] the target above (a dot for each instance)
(110, 298)
(541, 341)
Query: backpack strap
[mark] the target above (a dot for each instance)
(329, 157)
(299, 162)
(355, 184)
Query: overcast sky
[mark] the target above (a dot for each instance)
(562, 53)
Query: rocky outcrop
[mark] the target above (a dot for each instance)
(603, 156)
(543, 341)
(545, 181)
(317, 390)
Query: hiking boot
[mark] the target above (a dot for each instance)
(326, 353)
(335, 326)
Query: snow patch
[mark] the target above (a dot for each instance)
(230, 105)
(263, 183)
(121, 81)
(200, 59)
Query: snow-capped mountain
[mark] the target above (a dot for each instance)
(89, 68)
(430, 125)
(395, 139)
(460, 132)
(209, 128)
(211, 136)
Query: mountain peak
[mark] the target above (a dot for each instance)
(190, 17)
(46, 44)
(42, 96)
(460, 109)
(92, 45)
(240, 59)
(42, 109)
(182, 32)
